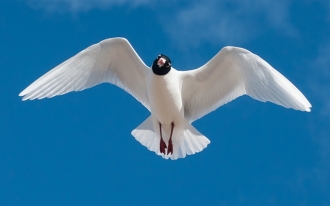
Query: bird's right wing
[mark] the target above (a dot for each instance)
(231, 73)
(112, 60)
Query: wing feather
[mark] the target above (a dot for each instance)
(112, 60)
(234, 72)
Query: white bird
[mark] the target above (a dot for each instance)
(174, 98)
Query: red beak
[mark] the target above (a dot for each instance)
(161, 61)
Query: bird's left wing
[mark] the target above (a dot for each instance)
(112, 60)
(231, 73)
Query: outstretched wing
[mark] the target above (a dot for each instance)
(112, 60)
(234, 72)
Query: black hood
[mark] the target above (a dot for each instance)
(163, 69)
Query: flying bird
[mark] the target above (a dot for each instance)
(174, 98)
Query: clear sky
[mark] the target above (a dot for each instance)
(77, 149)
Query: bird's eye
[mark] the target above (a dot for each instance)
(159, 56)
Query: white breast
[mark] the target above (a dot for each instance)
(164, 93)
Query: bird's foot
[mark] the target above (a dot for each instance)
(162, 146)
(170, 144)
(170, 147)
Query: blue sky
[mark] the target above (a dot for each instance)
(77, 149)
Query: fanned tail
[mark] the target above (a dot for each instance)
(146, 135)
(189, 141)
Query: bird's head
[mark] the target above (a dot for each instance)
(161, 65)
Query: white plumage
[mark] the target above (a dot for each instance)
(178, 97)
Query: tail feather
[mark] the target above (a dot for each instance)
(189, 142)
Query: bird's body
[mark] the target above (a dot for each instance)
(165, 98)
(174, 98)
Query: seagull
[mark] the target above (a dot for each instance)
(174, 98)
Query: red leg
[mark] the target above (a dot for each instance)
(162, 144)
(170, 145)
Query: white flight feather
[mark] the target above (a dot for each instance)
(112, 60)
(231, 73)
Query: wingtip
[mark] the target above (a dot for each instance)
(308, 109)
(308, 106)
(23, 95)
(24, 98)
(24, 92)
